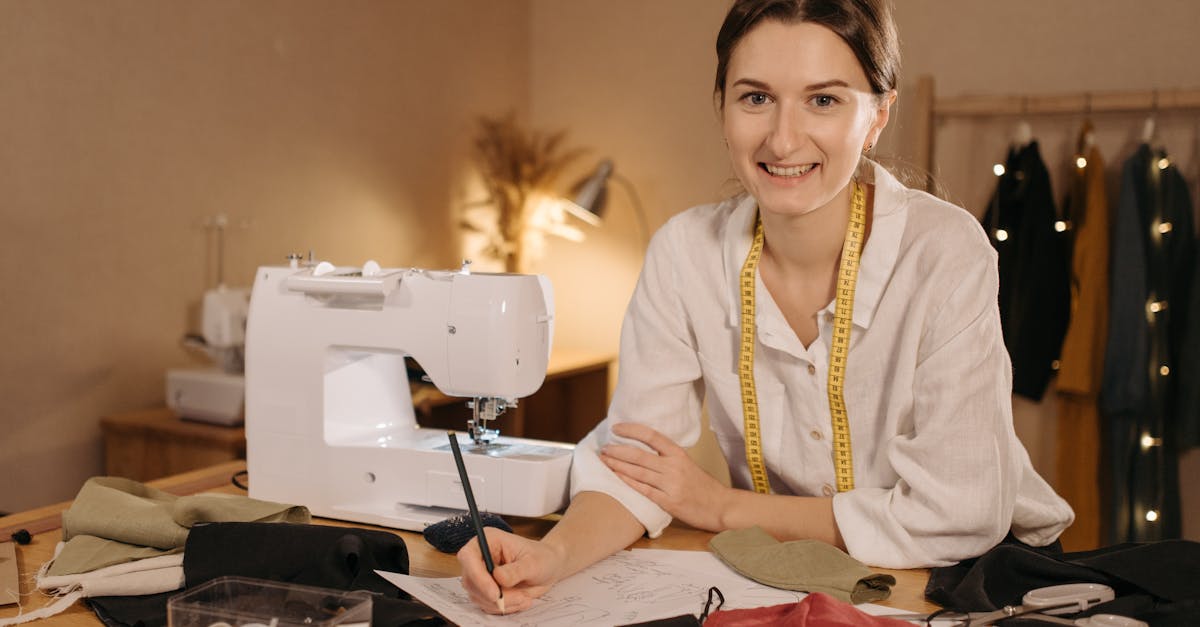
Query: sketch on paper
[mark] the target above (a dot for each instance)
(623, 588)
(628, 587)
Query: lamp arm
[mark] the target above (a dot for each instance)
(636, 202)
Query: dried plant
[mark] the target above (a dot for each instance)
(517, 163)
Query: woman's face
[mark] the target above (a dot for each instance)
(798, 113)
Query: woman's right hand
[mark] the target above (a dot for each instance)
(524, 568)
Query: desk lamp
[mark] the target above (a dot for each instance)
(591, 197)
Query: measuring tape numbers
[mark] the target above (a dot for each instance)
(847, 277)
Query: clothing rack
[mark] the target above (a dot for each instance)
(931, 109)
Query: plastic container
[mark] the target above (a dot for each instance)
(245, 602)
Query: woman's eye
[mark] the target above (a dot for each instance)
(824, 101)
(756, 98)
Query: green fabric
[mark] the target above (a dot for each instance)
(115, 520)
(805, 565)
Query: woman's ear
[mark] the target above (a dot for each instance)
(883, 113)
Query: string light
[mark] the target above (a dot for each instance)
(1148, 441)
(1080, 162)
(998, 169)
(1060, 225)
(1164, 370)
(1156, 306)
(1001, 235)
(1164, 163)
(1151, 515)
(1165, 227)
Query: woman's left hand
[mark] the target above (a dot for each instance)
(669, 478)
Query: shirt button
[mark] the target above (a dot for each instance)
(827, 490)
(812, 369)
(816, 435)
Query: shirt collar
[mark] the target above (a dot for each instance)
(889, 213)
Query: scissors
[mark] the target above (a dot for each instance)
(1046, 604)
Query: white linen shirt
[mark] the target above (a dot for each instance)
(939, 473)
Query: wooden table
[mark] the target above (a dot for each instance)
(424, 560)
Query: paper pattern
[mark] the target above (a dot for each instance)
(627, 587)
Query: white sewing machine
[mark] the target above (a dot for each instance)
(329, 413)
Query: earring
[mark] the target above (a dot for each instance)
(869, 147)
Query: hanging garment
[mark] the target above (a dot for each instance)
(1035, 293)
(1085, 210)
(1187, 427)
(1152, 259)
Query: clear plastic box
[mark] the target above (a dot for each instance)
(245, 602)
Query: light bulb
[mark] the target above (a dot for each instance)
(998, 169)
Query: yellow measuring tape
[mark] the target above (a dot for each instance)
(843, 463)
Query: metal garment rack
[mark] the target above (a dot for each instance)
(931, 109)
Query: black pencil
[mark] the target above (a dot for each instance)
(474, 509)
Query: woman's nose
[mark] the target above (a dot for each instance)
(787, 133)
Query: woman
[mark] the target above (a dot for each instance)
(932, 471)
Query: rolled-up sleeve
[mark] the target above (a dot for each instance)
(659, 378)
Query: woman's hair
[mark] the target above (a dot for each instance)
(865, 25)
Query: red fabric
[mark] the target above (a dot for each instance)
(816, 610)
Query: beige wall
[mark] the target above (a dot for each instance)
(334, 126)
(631, 81)
(342, 126)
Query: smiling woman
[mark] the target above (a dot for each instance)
(842, 328)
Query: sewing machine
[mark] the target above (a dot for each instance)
(329, 413)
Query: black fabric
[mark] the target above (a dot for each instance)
(451, 534)
(343, 558)
(1034, 262)
(1154, 582)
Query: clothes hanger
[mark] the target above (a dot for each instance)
(1023, 132)
(1149, 132)
(1088, 137)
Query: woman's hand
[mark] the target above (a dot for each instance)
(524, 568)
(671, 479)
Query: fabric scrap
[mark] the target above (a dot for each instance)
(815, 610)
(114, 520)
(806, 565)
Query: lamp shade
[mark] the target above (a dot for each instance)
(591, 193)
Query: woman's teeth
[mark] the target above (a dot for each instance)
(795, 170)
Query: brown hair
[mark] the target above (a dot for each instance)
(865, 25)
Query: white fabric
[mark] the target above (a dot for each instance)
(59, 605)
(939, 473)
(147, 576)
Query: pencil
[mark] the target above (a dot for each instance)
(474, 510)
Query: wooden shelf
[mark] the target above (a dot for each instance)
(152, 443)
